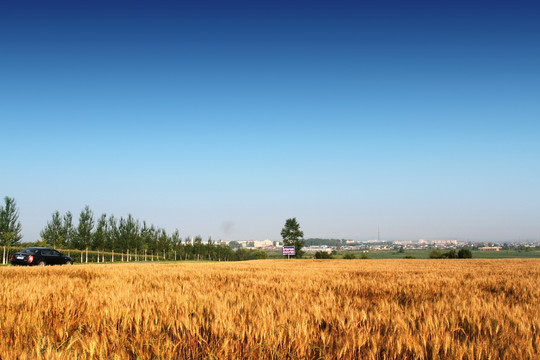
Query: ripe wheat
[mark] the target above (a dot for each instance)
(329, 309)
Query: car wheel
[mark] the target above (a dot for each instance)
(69, 263)
(41, 263)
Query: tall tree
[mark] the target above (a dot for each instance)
(58, 232)
(112, 234)
(10, 226)
(146, 237)
(128, 233)
(164, 242)
(176, 243)
(188, 248)
(52, 233)
(99, 237)
(293, 236)
(198, 247)
(67, 231)
(83, 234)
(176, 240)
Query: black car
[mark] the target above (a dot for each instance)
(40, 256)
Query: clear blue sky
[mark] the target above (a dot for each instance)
(225, 118)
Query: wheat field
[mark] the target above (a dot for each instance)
(273, 309)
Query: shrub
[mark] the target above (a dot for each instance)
(464, 254)
(349, 256)
(322, 255)
(250, 254)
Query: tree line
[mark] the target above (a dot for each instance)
(117, 235)
(108, 233)
(462, 253)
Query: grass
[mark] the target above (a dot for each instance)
(328, 309)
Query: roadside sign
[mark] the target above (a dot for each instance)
(288, 251)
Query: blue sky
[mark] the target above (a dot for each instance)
(226, 118)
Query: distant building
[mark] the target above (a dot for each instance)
(313, 249)
(263, 244)
(445, 242)
(490, 248)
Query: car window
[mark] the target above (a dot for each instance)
(29, 251)
(45, 252)
(55, 253)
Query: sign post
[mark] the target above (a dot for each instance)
(288, 250)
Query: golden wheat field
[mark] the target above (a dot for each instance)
(273, 309)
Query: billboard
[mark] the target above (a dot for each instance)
(288, 251)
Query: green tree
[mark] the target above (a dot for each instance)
(224, 252)
(112, 234)
(52, 232)
(250, 254)
(210, 249)
(435, 254)
(198, 247)
(10, 226)
(323, 255)
(82, 236)
(147, 236)
(464, 254)
(234, 244)
(163, 242)
(293, 236)
(128, 233)
(176, 241)
(189, 251)
(99, 237)
(67, 230)
(58, 232)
